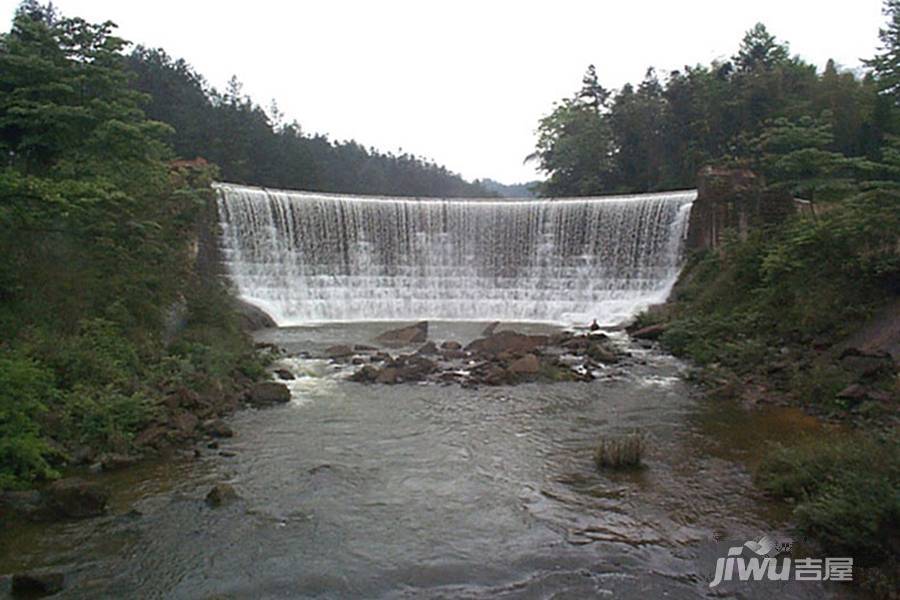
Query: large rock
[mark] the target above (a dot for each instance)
(405, 336)
(508, 342)
(600, 353)
(251, 317)
(865, 364)
(266, 393)
(339, 351)
(221, 494)
(76, 498)
(650, 332)
(527, 365)
(36, 584)
(218, 428)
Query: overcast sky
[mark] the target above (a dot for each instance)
(462, 82)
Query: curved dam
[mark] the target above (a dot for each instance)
(312, 257)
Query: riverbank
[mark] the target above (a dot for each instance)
(806, 314)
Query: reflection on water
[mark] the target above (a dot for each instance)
(415, 491)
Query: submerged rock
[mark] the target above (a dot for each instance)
(38, 583)
(405, 336)
(76, 498)
(115, 461)
(29, 504)
(221, 494)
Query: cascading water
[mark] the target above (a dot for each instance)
(308, 257)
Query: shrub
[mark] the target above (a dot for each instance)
(24, 388)
(847, 492)
(104, 418)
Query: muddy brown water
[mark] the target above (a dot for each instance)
(430, 491)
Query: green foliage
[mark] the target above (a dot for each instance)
(103, 418)
(97, 242)
(254, 147)
(25, 390)
(847, 492)
(818, 135)
(886, 64)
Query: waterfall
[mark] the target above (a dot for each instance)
(306, 257)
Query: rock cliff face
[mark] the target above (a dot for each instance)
(732, 199)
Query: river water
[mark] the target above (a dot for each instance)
(429, 491)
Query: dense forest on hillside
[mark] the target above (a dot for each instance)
(819, 133)
(106, 311)
(254, 147)
(768, 317)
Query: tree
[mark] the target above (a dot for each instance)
(886, 64)
(759, 50)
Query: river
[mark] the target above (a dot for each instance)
(431, 491)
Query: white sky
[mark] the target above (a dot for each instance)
(462, 82)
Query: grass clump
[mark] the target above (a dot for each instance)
(620, 452)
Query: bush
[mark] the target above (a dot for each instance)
(105, 419)
(25, 387)
(847, 492)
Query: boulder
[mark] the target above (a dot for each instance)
(218, 428)
(388, 375)
(367, 374)
(509, 342)
(453, 354)
(268, 392)
(527, 365)
(151, 437)
(489, 330)
(451, 345)
(339, 351)
(251, 317)
(650, 332)
(853, 392)
(220, 494)
(76, 498)
(184, 422)
(37, 583)
(405, 336)
(416, 368)
(428, 348)
(600, 353)
(866, 364)
(284, 374)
